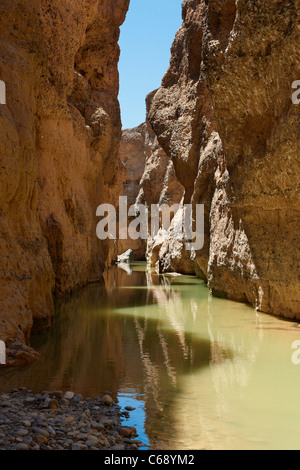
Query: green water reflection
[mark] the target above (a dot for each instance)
(205, 373)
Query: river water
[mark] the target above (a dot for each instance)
(202, 372)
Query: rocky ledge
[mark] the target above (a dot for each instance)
(58, 421)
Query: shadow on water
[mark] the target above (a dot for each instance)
(102, 339)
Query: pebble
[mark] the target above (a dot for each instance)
(89, 443)
(40, 439)
(108, 422)
(68, 420)
(81, 436)
(133, 447)
(137, 442)
(29, 400)
(107, 400)
(4, 404)
(22, 432)
(41, 431)
(21, 446)
(51, 421)
(64, 402)
(118, 447)
(53, 404)
(98, 426)
(127, 431)
(78, 447)
(51, 430)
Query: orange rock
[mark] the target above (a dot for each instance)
(127, 431)
(107, 400)
(231, 131)
(59, 138)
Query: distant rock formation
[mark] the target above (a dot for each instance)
(149, 179)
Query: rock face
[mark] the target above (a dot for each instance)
(149, 178)
(60, 133)
(135, 147)
(225, 117)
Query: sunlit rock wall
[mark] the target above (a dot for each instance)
(225, 117)
(60, 133)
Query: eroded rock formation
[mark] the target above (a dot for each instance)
(60, 133)
(225, 117)
(149, 179)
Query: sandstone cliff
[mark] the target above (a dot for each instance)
(60, 133)
(148, 178)
(224, 116)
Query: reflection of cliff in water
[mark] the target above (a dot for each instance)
(159, 338)
(204, 369)
(91, 349)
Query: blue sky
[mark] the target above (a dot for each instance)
(145, 42)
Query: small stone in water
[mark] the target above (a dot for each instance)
(107, 400)
(127, 431)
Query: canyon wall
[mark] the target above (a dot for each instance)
(60, 133)
(225, 118)
(148, 178)
(221, 131)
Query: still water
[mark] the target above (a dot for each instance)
(202, 372)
